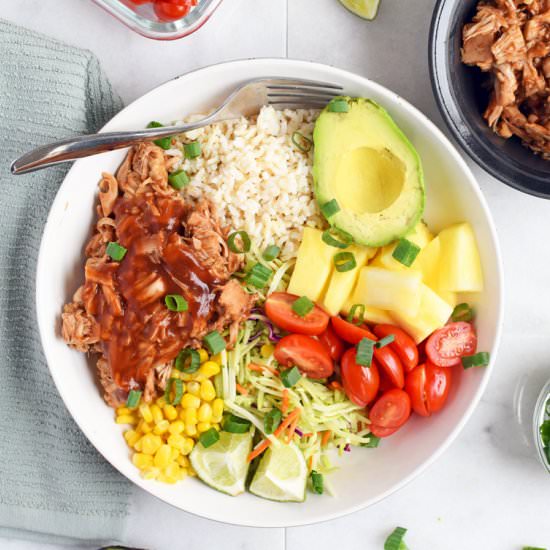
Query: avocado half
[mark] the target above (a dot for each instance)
(365, 162)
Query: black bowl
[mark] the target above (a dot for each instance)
(462, 94)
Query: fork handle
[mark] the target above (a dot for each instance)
(84, 146)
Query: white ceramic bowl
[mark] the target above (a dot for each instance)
(366, 475)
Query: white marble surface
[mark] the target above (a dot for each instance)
(487, 491)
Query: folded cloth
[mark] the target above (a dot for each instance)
(54, 486)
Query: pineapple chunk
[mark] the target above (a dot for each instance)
(389, 290)
(434, 312)
(341, 283)
(313, 265)
(459, 263)
(372, 314)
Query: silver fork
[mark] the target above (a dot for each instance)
(246, 100)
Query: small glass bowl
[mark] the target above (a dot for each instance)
(142, 18)
(540, 414)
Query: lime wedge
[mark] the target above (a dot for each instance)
(281, 474)
(363, 8)
(223, 465)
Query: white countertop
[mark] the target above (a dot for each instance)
(487, 491)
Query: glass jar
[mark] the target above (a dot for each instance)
(541, 414)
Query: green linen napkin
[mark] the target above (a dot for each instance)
(54, 486)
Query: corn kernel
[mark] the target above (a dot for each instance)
(194, 388)
(208, 393)
(170, 412)
(152, 472)
(217, 410)
(216, 427)
(203, 355)
(144, 427)
(209, 369)
(165, 479)
(123, 410)
(150, 444)
(183, 461)
(157, 414)
(266, 350)
(205, 413)
(131, 436)
(203, 426)
(176, 427)
(176, 441)
(190, 429)
(161, 427)
(191, 472)
(188, 445)
(217, 358)
(142, 461)
(175, 373)
(186, 376)
(190, 401)
(175, 453)
(126, 419)
(163, 456)
(145, 412)
(138, 445)
(190, 416)
(160, 402)
(172, 470)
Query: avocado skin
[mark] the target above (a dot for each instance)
(394, 221)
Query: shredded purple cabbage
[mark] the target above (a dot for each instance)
(299, 432)
(347, 448)
(255, 336)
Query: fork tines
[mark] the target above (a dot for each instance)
(302, 93)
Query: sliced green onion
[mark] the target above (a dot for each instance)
(178, 391)
(302, 142)
(209, 437)
(192, 150)
(533, 548)
(385, 341)
(373, 442)
(243, 235)
(188, 361)
(176, 302)
(395, 540)
(544, 431)
(338, 106)
(133, 399)
(259, 275)
(116, 251)
(235, 424)
(330, 208)
(406, 252)
(179, 179)
(290, 376)
(344, 261)
(302, 306)
(480, 359)
(271, 252)
(163, 143)
(272, 420)
(462, 312)
(329, 237)
(365, 349)
(356, 319)
(317, 482)
(214, 342)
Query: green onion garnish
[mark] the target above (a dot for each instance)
(395, 540)
(330, 208)
(373, 442)
(188, 360)
(163, 143)
(344, 261)
(179, 179)
(302, 142)
(317, 482)
(406, 252)
(192, 150)
(356, 319)
(385, 341)
(462, 312)
(235, 424)
(177, 384)
(271, 252)
(176, 302)
(290, 376)
(338, 106)
(209, 437)
(133, 399)
(272, 420)
(365, 349)
(243, 235)
(214, 342)
(533, 548)
(116, 251)
(259, 275)
(302, 306)
(480, 359)
(343, 241)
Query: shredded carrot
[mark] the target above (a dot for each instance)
(309, 434)
(260, 368)
(284, 404)
(292, 430)
(259, 450)
(325, 438)
(241, 390)
(310, 463)
(336, 385)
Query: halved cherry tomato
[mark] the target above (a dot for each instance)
(278, 307)
(349, 332)
(360, 383)
(390, 365)
(391, 410)
(308, 354)
(428, 387)
(447, 345)
(333, 343)
(402, 344)
(385, 383)
(381, 432)
(171, 10)
(415, 386)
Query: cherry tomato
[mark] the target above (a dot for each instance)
(402, 344)
(415, 386)
(428, 387)
(391, 410)
(349, 332)
(333, 343)
(308, 354)
(171, 10)
(360, 383)
(390, 365)
(381, 432)
(278, 307)
(447, 345)
(385, 383)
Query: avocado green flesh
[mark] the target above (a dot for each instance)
(364, 161)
